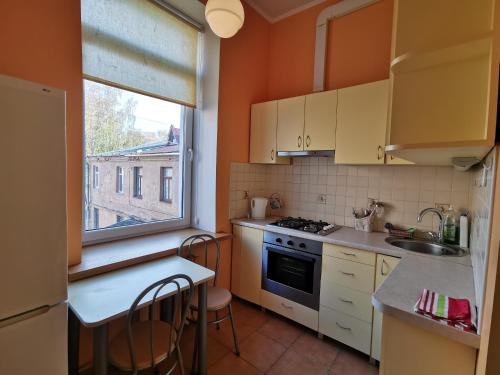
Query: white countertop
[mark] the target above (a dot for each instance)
(398, 294)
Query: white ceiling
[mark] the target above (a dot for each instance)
(275, 10)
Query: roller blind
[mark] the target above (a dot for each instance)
(140, 46)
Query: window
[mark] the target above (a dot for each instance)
(137, 182)
(95, 176)
(119, 180)
(96, 218)
(166, 174)
(140, 88)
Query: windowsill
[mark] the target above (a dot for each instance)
(105, 257)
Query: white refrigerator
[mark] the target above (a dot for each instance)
(33, 229)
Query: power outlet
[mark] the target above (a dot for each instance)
(322, 198)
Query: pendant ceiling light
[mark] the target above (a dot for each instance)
(225, 17)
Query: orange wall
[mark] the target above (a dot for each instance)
(43, 44)
(273, 61)
(243, 80)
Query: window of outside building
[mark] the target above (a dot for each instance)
(140, 91)
(166, 174)
(95, 176)
(119, 180)
(137, 182)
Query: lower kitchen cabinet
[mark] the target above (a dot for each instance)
(247, 263)
(347, 280)
(292, 310)
(385, 265)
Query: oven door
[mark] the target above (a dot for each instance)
(292, 274)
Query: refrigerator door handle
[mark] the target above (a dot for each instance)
(27, 315)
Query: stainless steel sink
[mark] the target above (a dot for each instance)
(426, 247)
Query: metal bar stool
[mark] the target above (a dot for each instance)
(144, 344)
(218, 299)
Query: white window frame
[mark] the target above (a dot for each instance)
(119, 180)
(95, 236)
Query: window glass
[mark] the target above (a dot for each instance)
(134, 150)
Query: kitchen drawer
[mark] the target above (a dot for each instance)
(347, 300)
(348, 253)
(346, 329)
(350, 274)
(292, 310)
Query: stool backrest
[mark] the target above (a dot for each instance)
(181, 299)
(202, 240)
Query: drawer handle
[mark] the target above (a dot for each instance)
(342, 327)
(382, 268)
(345, 300)
(347, 273)
(286, 306)
(349, 254)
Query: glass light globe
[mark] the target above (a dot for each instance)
(225, 17)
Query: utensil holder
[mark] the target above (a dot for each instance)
(365, 224)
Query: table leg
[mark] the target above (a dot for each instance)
(202, 329)
(100, 346)
(73, 342)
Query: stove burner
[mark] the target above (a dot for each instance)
(301, 224)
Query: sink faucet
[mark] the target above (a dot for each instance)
(440, 235)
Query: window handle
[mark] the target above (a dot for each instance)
(190, 154)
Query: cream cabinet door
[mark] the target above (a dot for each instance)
(361, 123)
(291, 124)
(385, 265)
(264, 121)
(320, 121)
(247, 263)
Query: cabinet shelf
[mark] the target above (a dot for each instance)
(419, 60)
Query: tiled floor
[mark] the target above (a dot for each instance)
(273, 345)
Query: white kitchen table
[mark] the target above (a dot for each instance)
(97, 300)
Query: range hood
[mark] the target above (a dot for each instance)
(322, 153)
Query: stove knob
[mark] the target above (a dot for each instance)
(290, 243)
(302, 245)
(279, 240)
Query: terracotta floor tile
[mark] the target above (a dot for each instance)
(323, 352)
(231, 364)
(292, 363)
(225, 334)
(281, 330)
(252, 317)
(261, 351)
(350, 362)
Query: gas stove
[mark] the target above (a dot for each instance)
(310, 226)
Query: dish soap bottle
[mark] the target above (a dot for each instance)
(450, 225)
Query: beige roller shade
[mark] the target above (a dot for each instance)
(140, 46)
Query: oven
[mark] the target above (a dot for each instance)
(291, 268)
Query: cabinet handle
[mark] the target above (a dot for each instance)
(272, 154)
(349, 254)
(308, 141)
(346, 300)
(347, 273)
(382, 268)
(286, 306)
(342, 327)
(392, 157)
(299, 141)
(380, 153)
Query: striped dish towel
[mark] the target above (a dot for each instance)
(455, 312)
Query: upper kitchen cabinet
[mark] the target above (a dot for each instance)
(264, 122)
(320, 121)
(362, 123)
(444, 80)
(291, 124)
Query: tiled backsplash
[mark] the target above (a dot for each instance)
(480, 212)
(405, 190)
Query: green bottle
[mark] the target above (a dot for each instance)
(450, 226)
